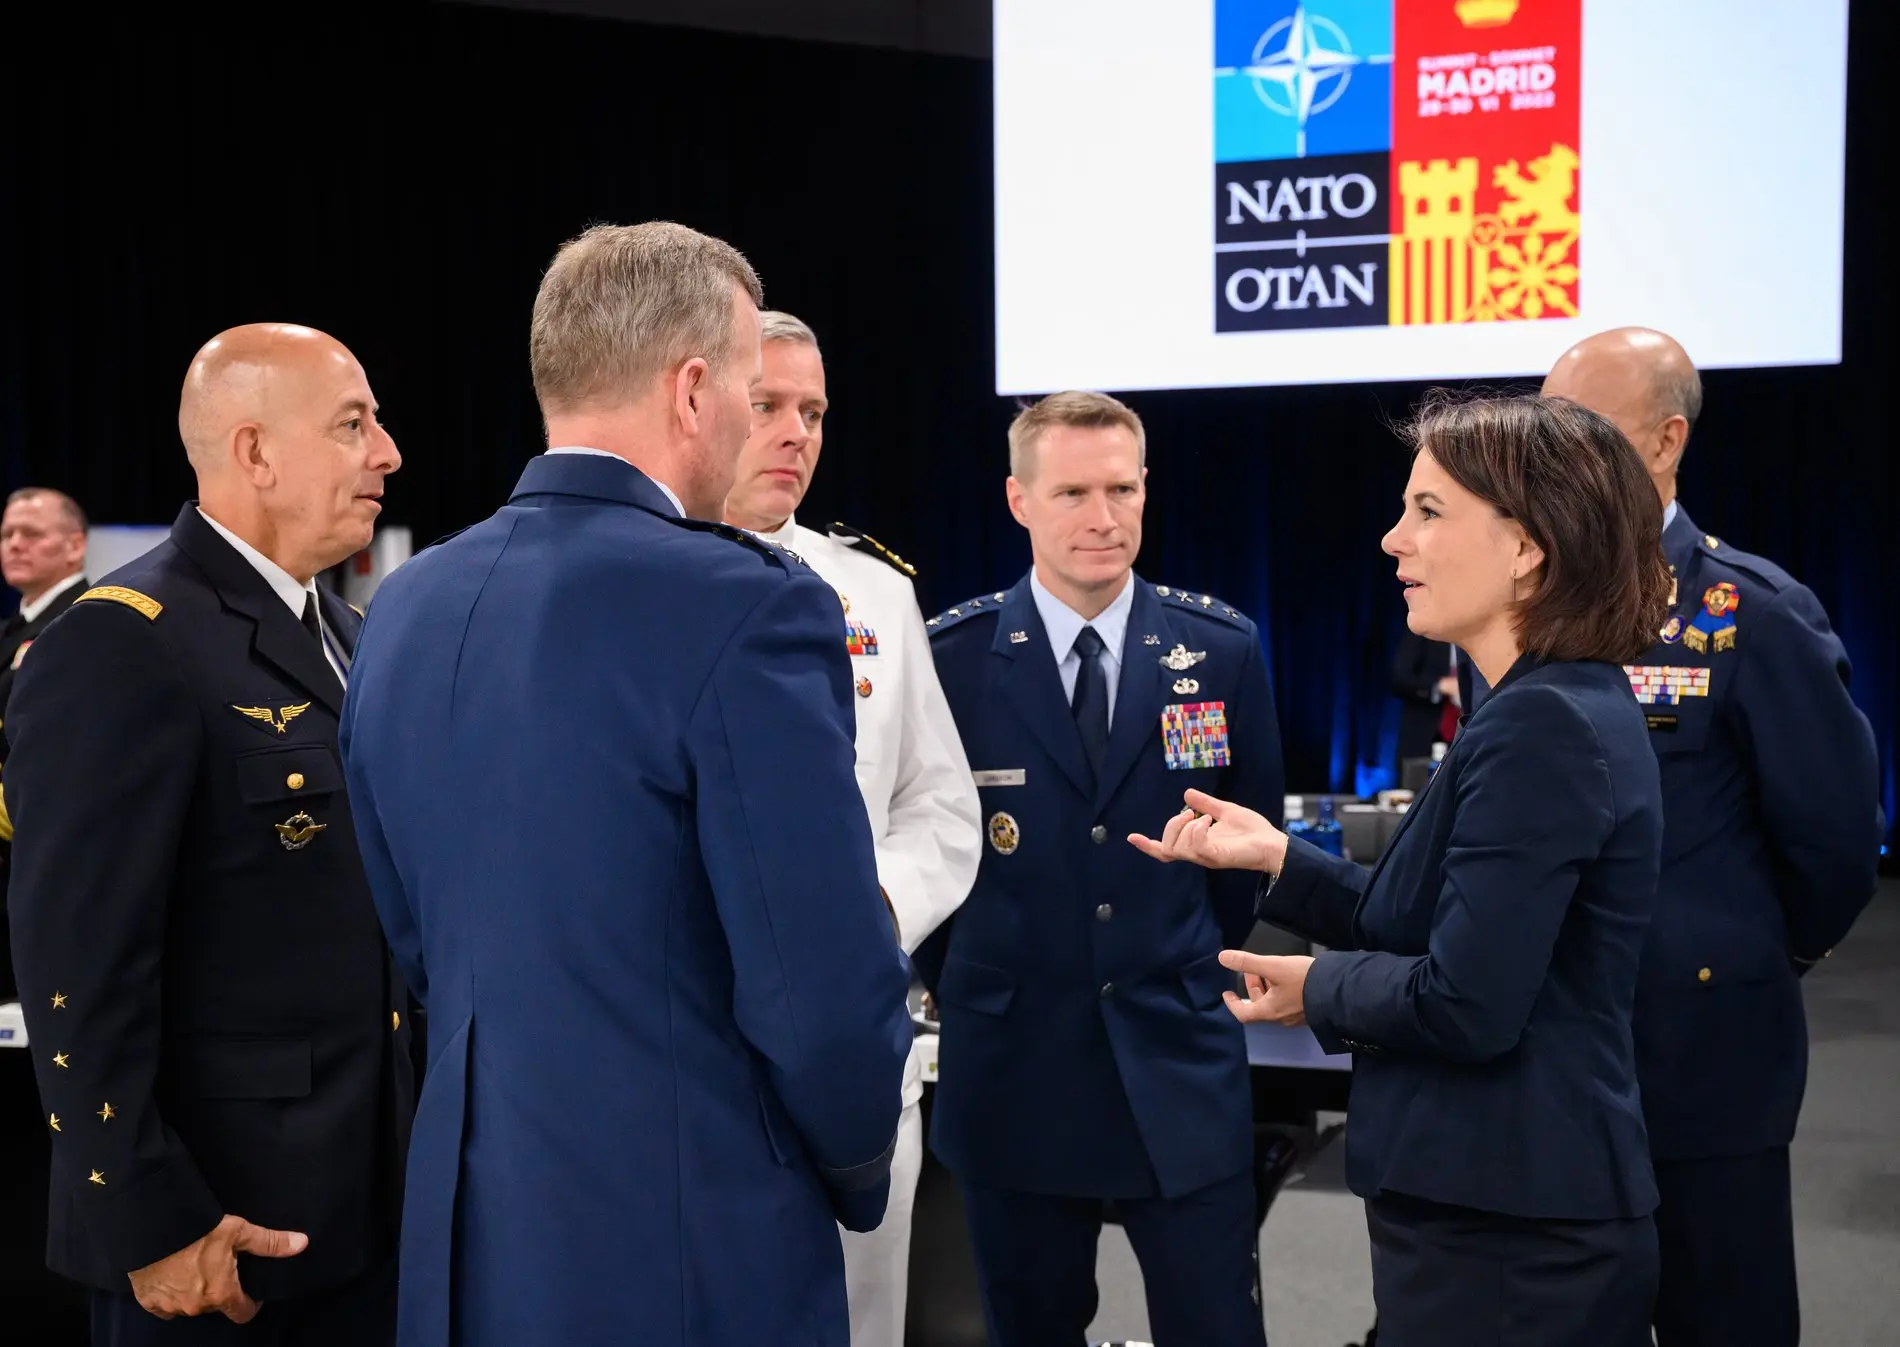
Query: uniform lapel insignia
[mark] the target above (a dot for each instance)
(299, 831)
(272, 719)
(1018, 637)
(1151, 640)
(1181, 658)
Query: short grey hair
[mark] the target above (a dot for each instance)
(777, 325)
(1087, 411)
(620, 304)
(65, 504)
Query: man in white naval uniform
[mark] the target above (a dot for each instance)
(915, 780)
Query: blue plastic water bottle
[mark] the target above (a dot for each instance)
(1326, 834)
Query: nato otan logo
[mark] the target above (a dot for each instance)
(1302, 149)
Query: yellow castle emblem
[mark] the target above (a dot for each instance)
(1451, 264)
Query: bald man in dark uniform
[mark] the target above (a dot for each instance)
(1771, 837)
(216, 1025)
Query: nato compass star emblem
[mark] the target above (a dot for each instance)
(1302, 65)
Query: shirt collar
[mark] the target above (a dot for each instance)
(782, 535)
(665, 490)
(281, 581)
(1064, 624)
(1669, 514)
(30, 612)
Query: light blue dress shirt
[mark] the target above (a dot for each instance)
(1669, 515)
(1064, 624)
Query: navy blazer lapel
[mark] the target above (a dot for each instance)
(279, 639)
(591, 477)
(1031, 684)
(1144, 688)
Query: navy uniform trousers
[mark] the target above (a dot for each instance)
(1035, 1258)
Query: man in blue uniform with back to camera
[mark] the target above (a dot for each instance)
(607, 806)
(1087, 1055)
(1771, 838)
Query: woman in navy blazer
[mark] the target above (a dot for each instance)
(1483, 974)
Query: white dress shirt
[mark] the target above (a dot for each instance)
(1064, 624)
(286, 587)
(665, 490)
(30, 611)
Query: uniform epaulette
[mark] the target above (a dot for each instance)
(1204, 604)
(763, 546)
(143, 604)
(1760, 569)
(949, 617)
(844, 533)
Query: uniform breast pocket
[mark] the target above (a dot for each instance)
(295, 772)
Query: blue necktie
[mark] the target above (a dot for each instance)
(1090, 703)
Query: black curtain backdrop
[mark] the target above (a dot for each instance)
(400, 176)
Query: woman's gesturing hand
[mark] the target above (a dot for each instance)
(1218, 835)
(1276, 986)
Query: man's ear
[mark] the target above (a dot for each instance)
(1672, 438)
(1015, 492)
(246, 447)
(689, 393)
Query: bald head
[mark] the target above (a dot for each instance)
(280, 426)
(1643, 382)
(252, 374)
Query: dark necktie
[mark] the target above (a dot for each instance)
(1090, 703)
(314, 625)
(311, 622)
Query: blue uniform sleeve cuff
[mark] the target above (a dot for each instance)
(857, 1178)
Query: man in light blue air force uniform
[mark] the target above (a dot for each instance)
(1086, 1052)
(667, 1019)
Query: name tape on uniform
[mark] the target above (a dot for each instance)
(1008, 776)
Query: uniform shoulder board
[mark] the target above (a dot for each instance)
(950, 617)
(844, 533)
(143, 604)
(1204, 604)
(1759, 569)
(763, 546)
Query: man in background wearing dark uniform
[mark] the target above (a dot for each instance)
(214, 1018)
(43, 556)
(1084, 1058)
(1772, 833)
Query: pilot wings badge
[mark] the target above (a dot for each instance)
(278, 719)
(299, 831)
(1181, 658)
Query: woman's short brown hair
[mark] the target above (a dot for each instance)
(1581, 493)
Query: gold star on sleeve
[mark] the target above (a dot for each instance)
(59, 1000)
(107, 1114)
(59, 1060)
(98, 1178)
(52, 1121)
